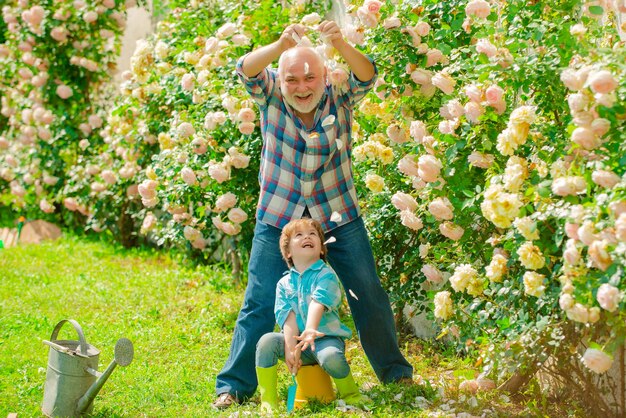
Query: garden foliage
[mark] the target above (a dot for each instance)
(489, 159)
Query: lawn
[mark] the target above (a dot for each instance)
(180, 320)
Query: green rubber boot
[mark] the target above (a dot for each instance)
(268, 379)
(349, 392)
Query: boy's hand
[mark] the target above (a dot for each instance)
(330, 32)
(307, 339)
(291, 36)
(292, 359)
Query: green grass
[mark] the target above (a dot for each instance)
(180, 321)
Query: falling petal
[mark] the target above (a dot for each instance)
(296, 37)
(352, 294)
(330, 119)
(314, 135)
(330, 240)
(306, 68)
(339, 144)
(335, 217)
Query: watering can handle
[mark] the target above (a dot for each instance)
(79, 331)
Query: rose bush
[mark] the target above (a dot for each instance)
(489, 160)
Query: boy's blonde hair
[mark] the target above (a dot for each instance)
(291, 228)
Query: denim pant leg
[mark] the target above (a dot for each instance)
(256, 317)
(329, 354)
(270, 348)
(352, 259)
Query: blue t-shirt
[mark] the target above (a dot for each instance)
(296, 290)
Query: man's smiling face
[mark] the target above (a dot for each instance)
(302, 79)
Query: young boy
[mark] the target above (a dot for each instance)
(307, 300)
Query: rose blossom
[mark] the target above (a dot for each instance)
(410, 220)
(530, 256)
(571, 230)
(571, 185)
(608, 297)
(586, 138)
(45, 206)
(443, 305)
(188, 176)
(64, 91)
(408, 166)
(432, 273)
(478, 8)
(225, 201)
(578, 313)
(434, 56)
(246, 128)
(429, 168)
(422, 77)
(485, 47)
(566, 301)
(422, 28)
(586, 233)
(397, 134)
(602, 82)
(605, 178)
(572, 80)
(70, 203)
(480, 160)
(599, 255)
(494, 94)
(418, 130)
(444, 82)
(226, 227)
(237, 215)
(374, 182)
(496, 268)
(473, 111)
(597, 361)
(441, 209)
(533, 283)
(403, 201)
(246, 115)
(450, 230)
(600, 126)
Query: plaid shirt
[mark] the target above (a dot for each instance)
(300, 167)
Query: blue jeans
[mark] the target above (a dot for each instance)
(329, 353)
(352, 259)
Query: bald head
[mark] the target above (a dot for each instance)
(300, 55)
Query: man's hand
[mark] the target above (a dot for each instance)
(307, 339)
(291, 36)
(331, 33)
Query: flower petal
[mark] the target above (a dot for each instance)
(352, 294)
(339, 144)
(335, 217)
(329, 120)
(330, 240)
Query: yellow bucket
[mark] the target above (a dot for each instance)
(313, 383)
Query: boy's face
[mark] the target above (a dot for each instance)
(305, 244)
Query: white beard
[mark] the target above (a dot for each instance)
(314, 101)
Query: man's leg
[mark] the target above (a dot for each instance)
(256, 317)
(351, 258)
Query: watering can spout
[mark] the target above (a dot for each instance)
(123, 357)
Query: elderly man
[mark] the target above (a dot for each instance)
(306, 171)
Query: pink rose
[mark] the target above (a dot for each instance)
(441, 209)
(246, 128)
(494, 94)
(391, 22)
(600, 126)
(432, 274)
(59, 34)
(444, 82)
(226, 227)
(602, 82)
(473, 111)
(605, 178)
(108, 176)
(569, 186)
(367, 18)
(429, 168)
(246, 115)
(70, 203)
(199, 146)
(408, 166)
(218, 172)
(480, 160)
(410, 220)
(64, 91)
(478, 8)
(422, 28)
(421, 76)
(434, 56)
(571, 230)
(237, 215)
(188, 176)
(403, 201)
(338, 76)
(608, 297)
(225, 201)
(597, 361)
(185, 130)
(227, 29)
(474, 93)
(418, 130)
(90, 17)
(586, 138)
(45, 206)
(188, 81)
(599, 255)
(397, 134)
(483, 46)
(572, 80)
(373, 6)
(450, 230)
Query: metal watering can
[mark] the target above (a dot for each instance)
(72, 379)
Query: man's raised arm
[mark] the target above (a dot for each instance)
(257, 60)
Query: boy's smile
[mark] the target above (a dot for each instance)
(305, 246)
